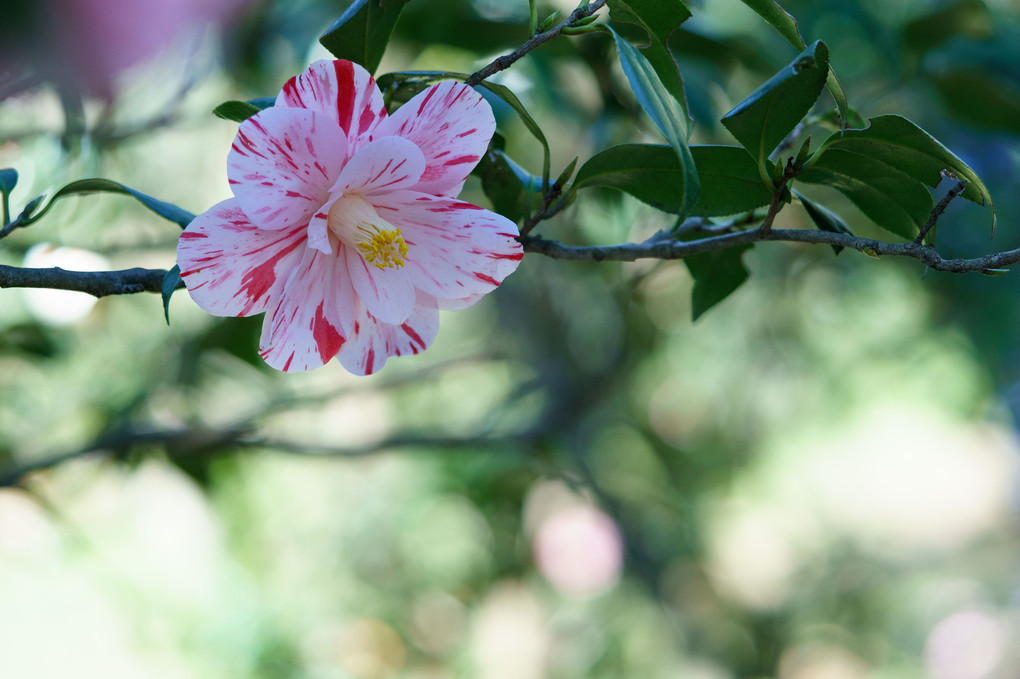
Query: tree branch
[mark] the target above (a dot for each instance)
(664, 246)
(96, 283)
(504, 62)
(203, 441)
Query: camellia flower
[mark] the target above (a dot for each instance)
(344, 228)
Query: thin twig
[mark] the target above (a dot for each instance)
(543, 212)
(504, 62)
(776, 203)
(937, 211)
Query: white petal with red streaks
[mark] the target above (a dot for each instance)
(455, 249)
(452, 124)
(231, 267)
(447, 304)
(305, 330)
(344, 91)
(282, 164)
(387, 293)
(318, 229)
(386, 164)
(372, 341)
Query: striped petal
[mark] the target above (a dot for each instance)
(387, 293)
(385, 164)
(452, 124)
(458, 304)
(455, 249)
(282, 164)
(373, 341)
(344, 91)
(307, 327)
(231, 267)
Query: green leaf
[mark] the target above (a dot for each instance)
(168, 211)
(658, 19)
(765, 118)
(510, 98)
(779, 19)
(783, 21)
(960, 88)
(964, 17)
(730, 182)
(238, 111)
(361, 33)
(824, 218)
(892, 199)
(514, 193)
(665, 112)
(716, 275)
(171, 280)
(8, 180)
(651, 173)
(894, 142)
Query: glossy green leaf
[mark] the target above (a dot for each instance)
(238, 111)
(783, 21)
(658, 19)
(171, 280)
(510, 98)
(824, 218)
(361, 33)
(779, 19)
(513, 192)
(892, 199)
(651, 173)
(716, 275)
(893, 141)
(730, 183)
(665, 112)
(166, 210)
(765, 118)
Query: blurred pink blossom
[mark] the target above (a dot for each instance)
(87, 43)
(579, 550)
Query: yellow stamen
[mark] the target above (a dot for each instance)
(354, 221)
(383, 247)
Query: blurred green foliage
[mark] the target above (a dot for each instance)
(812, 481)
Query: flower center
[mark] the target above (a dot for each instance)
(382, 247)
(354, 221)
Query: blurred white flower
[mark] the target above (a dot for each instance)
(60, 307)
